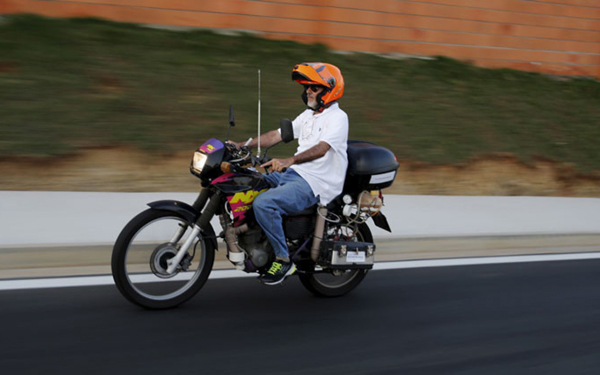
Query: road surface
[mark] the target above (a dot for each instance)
(527, 318)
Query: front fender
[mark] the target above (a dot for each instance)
(189, 213)
(184, 209)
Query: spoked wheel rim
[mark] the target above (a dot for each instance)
(147, 254)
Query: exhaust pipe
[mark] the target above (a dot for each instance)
(318, 234)
(236, 254)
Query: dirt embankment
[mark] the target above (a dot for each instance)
(126, 170)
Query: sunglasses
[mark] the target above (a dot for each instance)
(313, 88)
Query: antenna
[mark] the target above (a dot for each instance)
(258, 112)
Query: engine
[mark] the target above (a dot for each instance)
(256, 246)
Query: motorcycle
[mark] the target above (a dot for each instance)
(165, 254)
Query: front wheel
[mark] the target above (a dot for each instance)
(140, 260)
(338, 283)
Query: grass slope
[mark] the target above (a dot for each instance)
(77, 83)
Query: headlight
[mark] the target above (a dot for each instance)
(198, 161)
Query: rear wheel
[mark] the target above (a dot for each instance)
(338, 283)
(140, 260)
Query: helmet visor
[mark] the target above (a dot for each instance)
(313, 74)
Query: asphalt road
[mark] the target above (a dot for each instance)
(529, 318)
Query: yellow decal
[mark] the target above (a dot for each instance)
(246, 197)
(210, 148)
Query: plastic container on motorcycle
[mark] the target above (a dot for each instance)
(370, 167)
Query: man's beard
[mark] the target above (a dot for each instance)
(312, 104)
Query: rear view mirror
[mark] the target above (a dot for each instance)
(231, 122)
(287, 130)
(231, 119)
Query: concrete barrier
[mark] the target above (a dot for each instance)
(51, 218)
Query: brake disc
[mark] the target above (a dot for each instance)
(159, 258)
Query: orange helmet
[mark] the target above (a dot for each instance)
(322, 74)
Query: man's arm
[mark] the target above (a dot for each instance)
(313, 153)
(266, 140)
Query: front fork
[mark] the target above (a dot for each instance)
(174, 262)
(177, 236)
(199, 226)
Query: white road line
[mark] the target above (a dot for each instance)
(483, 260)
(62, 282)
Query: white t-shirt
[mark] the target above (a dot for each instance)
(326, 174)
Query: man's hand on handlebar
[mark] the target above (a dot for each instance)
(279, 165)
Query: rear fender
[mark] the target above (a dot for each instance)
(189, 213)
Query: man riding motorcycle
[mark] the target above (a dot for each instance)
(316, 172)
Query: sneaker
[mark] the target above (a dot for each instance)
(278, 271)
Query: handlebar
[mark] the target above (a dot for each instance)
(244, 154)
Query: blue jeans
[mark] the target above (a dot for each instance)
(290, 194)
